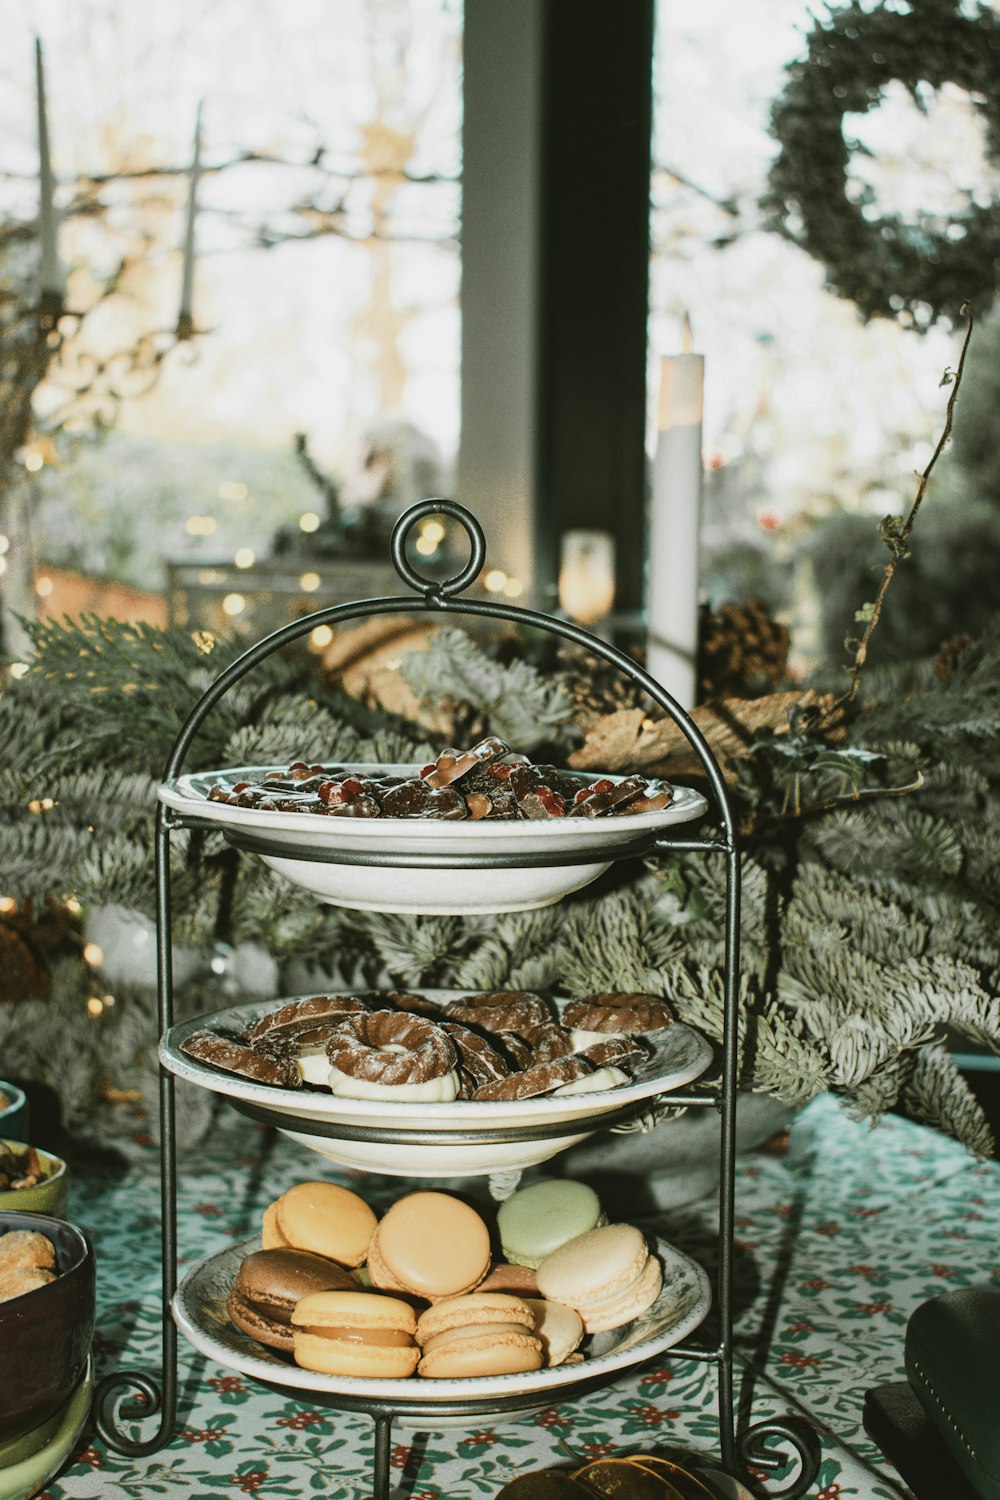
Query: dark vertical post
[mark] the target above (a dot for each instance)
(594, 280)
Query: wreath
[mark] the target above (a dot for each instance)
(916, 271)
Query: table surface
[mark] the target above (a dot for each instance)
(840, 1235)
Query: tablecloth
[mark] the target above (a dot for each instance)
(839, 1236)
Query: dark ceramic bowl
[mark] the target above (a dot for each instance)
(45, 1335)
(14, 1114)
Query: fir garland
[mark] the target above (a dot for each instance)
(918, 271)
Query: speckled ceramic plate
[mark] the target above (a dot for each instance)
(680, 1055)
(371, 864)
(200, 1312)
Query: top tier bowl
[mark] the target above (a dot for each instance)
(423, 865)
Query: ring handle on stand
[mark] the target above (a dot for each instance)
(436, 590)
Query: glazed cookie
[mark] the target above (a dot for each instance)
(540, 1078)
(500, 1010)
(597, 1015)
(233, 1056)
(390, 1054)
(479, 1061)
(297, 1014)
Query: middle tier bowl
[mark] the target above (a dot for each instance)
(466, 1138)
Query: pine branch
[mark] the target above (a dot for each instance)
(936, 1093)
(522, 706)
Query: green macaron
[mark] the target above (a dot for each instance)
(536, 1220)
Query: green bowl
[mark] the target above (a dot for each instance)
(47, 1196)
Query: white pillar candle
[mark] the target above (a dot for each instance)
(51, 278)
(674, 529)
(185, 317)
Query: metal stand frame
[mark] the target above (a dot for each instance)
(131, 1396)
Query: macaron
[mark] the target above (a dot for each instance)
(539, 1218)
(269, 1284)
(559, 1327)
(360, 1334)
(429, 1245)
(607, 1274)
(326, 1219)
(520, 1281)
(482, 1333)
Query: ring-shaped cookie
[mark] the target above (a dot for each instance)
(391, 1047)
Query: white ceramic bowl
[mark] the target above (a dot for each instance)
(679, 1055)
(199, 1309)
(374, 864)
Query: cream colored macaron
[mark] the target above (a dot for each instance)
(480, 1334)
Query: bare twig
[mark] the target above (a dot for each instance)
(897, 536)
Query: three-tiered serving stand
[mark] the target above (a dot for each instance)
(134, 1396)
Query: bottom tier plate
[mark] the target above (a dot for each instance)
(200, 1312)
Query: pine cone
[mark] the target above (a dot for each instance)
(743, 652)
(596, 687)
(22, 977)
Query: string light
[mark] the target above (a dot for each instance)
(73, 906)
(200, 525)
(495, 580)
(309, 582)
(33, 461)
(7, 905)
(234, 604)
(232, 489)
(95, 1005)
(204, 640)
(18, 669)
(93, 955)
(244, 558)
(320, 637)
(513, 588)
(41, 804)
(309, 521)
(44, 586)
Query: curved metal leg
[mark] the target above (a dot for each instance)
(148, 1398)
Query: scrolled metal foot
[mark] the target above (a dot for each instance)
(755, 1452)
(146, 1402)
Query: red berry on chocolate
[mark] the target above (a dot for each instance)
(582, 795)
(352, 786)
(330, 792)
(502, 773)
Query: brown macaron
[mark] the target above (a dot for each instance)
(271, 1282)
(429, 1245)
